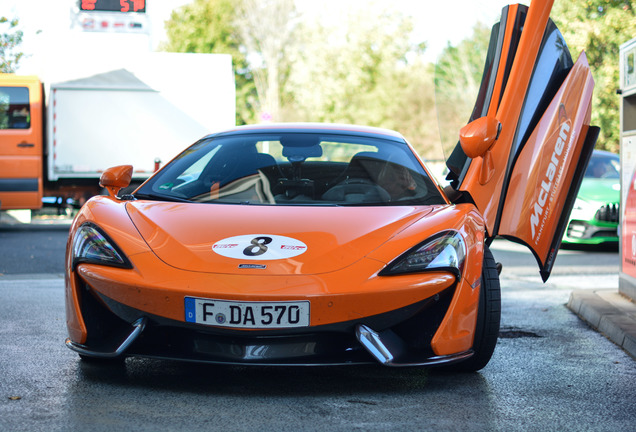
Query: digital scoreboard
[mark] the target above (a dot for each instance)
(111, 16)
(126, 6)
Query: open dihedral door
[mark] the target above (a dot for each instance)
(522, 156)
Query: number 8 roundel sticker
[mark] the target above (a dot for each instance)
(259, 247)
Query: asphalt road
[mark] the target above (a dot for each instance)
(29, 249)
(550, 372)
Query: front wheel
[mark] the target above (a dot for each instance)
(488, 318)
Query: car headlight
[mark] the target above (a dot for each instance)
(445, 251)
(91, 245)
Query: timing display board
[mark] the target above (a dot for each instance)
(126, 6)
(111, 16)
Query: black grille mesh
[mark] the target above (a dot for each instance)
(608, 213)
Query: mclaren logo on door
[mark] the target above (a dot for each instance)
(550, 181)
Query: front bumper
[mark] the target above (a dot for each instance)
(591, 232)
(400, 337)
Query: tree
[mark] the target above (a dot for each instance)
(339, 65)
(599, 27)
(10, 40)
(361, 67)
(458, 75)
(266, 29)
(410, 107)
(209, 26)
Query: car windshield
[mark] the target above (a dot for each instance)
(295, 169)
(603, 166)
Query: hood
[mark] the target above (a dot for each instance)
(266, 240)
(601, 190)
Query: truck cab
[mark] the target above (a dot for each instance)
(21, 142)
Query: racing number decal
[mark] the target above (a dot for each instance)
(259, 247)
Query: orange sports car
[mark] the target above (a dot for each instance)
(313, 244)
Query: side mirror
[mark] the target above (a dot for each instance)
(115, 178)
(478, 136)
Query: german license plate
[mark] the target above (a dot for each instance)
(224, 313)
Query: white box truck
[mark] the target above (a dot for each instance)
(57, 138)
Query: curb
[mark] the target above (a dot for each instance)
(610, 313)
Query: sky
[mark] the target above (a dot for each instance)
(49, 32)
(436, 22)
(48, 37)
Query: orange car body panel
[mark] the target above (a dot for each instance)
(350, 289)
(330, 248)
(21, 152)
(506, 183)
(487, 194)
(546, 165)
(505, 52)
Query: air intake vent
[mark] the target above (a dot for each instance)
(608, 213)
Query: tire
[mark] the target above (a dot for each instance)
(488, 319)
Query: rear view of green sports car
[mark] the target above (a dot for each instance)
(594, 218)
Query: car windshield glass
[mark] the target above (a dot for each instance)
(296, 169)
(603, 166)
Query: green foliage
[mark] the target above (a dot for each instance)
(10, 40)
(268, 32)
(599, 27)
(208, 26)
(359, 69)
(351, 60)
(410, 106)
(362, 68)
(457, 78)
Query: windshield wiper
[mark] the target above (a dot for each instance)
(158, 197)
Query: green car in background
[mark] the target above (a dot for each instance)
(594, 218)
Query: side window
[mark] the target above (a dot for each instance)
(15, 111)
(551, 68)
